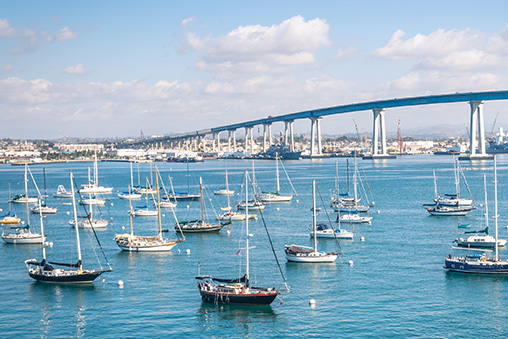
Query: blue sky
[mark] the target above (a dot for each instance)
(111, 68)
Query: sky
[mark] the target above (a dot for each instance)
(92, 69)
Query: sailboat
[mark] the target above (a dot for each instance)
(89, 221)
(141, 243)
(9, 218)
(148, 188)
(276, 196)
(44, 271)
(43, 208)
(93, 185)
(130, 195)
(455, 199)
(165, 201)
(185, 196)
(480, 263)
(61, 192)
(237, 291)
(255, 204)
(480, 238)
(200, 225)
(298, 253)
(229, 214)
(24, 234)
(343, 202)
(225, 191)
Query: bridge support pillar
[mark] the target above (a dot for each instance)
(246, 141)
(477, 130)
(218, 141)
(315, 128)
(251, 140)
(292, 138)
(265, 127)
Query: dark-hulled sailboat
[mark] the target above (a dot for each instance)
(44, 271)
(236, 291)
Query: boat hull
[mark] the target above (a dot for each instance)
(148, 248)
(326, 258)
(65, 276)
(476, 267)
(263, 298)
(23, 240)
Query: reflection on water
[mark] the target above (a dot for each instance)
(246, 319)
(52, 299)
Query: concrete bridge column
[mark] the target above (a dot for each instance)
(286, 132)
(264, 137)
(477, 130)
(270, 142)
(246, 140)
(292, 140)
(218, 141)
(312, 136)
(318, 129)
(213, 142)
(251, 140)
(378, 124)
(229, 140)
(234, 140)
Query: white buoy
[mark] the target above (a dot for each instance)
(163, 215)
(111, 204)
(350, 262)
(297, 200)
(251, 235)
(228, 232)
(23, 222)
(120, 283)
(68, 212)
(188, 206)
(362, 238)
(312, 302)
(187, 251)
(278, 209)
(123, 227)
(378, 211)
(103, 280)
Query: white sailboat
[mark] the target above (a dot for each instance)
(229, 214)
(130, 195)
(276, 196)
(455, 200)
(93, 185)
(305, 254)
(481, 238)
(44, 271)
(61, 192)
(139, 243)
(480, 263)
(24, 234)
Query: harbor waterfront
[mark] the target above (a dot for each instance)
(392, 284)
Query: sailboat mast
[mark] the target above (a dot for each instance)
(495, 205)
(26, 196)
(188, 177)
(347, 171)
(158, 202)
(227, 189)
(457, 182)
(95, 170)
(78, 246)
(314, 213)
(201, 198)
(354, 182)
(130, 211)
(247, 228)
(277, 171)
(486, 203)
(44, 173)
(132, 180)
(435, 184)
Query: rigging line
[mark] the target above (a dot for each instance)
(329, 220)
(467, 186)
(271, 244)
(95, 234)
(287, 176)
(366, 181)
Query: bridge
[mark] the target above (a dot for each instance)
(378, 107)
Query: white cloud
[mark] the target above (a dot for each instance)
(347, 53)
(30, 39)
(7, 68)
(6, 30)
(187, 21)
(79, 69)
(292, 42)
(437, 44)
(65, 34)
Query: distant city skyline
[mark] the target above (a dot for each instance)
(110, 69)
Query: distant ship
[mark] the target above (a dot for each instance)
(500, 145)
(283, 151)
